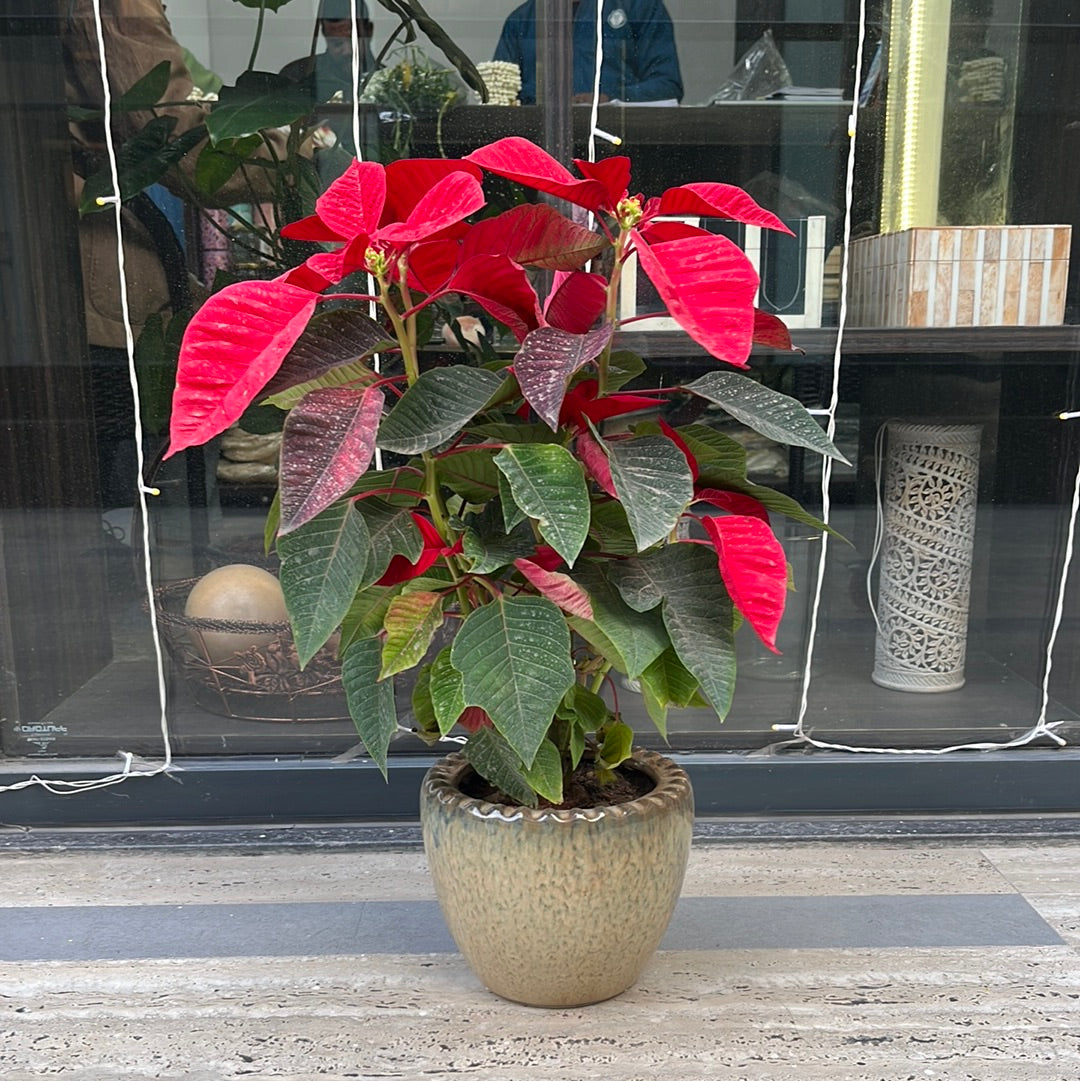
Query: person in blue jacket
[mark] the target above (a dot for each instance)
(640, 62)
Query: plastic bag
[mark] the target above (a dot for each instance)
(760, 72)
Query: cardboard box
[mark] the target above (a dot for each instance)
(969, 276)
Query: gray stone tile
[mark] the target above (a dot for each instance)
(92, 933)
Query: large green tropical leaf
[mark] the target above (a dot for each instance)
(548, 484)
(371, 701)
(768, 412)
(414, 11)
(259, 101)
(492, 757)
(142, 160)
(411, 622)
(216, 165)
(145, 93)
(322, 566)
(514, 658)
(697, 611)
(436, 407)
(654, 485)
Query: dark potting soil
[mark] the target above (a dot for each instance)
(583, 790)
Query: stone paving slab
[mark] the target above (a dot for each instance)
(867, 1012)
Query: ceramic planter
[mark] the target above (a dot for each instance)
(557, 907)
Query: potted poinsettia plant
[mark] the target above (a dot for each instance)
(515, 552)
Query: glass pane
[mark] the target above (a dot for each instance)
(961, 312)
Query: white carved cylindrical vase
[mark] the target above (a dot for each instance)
(931, 481)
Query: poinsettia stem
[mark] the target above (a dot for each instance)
(600, 677)
(612, 310)
(406, 342)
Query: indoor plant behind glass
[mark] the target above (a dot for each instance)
(549, 546)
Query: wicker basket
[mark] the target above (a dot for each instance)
(265, 682)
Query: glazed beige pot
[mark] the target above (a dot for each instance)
(557, 907)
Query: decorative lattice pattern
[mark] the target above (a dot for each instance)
(931, 477)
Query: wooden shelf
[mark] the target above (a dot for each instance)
(881, 341)
(731, 124)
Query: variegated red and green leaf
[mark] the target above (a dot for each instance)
(548, 357)
(327, 443)
(559, 588)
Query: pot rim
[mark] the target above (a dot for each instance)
(672, 792)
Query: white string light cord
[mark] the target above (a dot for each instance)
(67, 788)
(376, 360)
(799, 735)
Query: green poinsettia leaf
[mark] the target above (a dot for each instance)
(514, 658)
(785, 505)
(586, 707)
(666, 682)
(322, 566)
(273, 520)
(548, 483)
(447, 691)
(511, 512)
(495, 760)
(371, 701)
(411, 622)
(639, 637)
(365, 616)
(545, 775)
(768, 412)
(436, 407)
(617, 747)
(610, 529)
(490, 549)
(623, 366)
(715, 452)
(698, 613)
(502, 432)
(391, 532)
(427, 724)
(654, 485)
(470, 474)
(329, 352)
